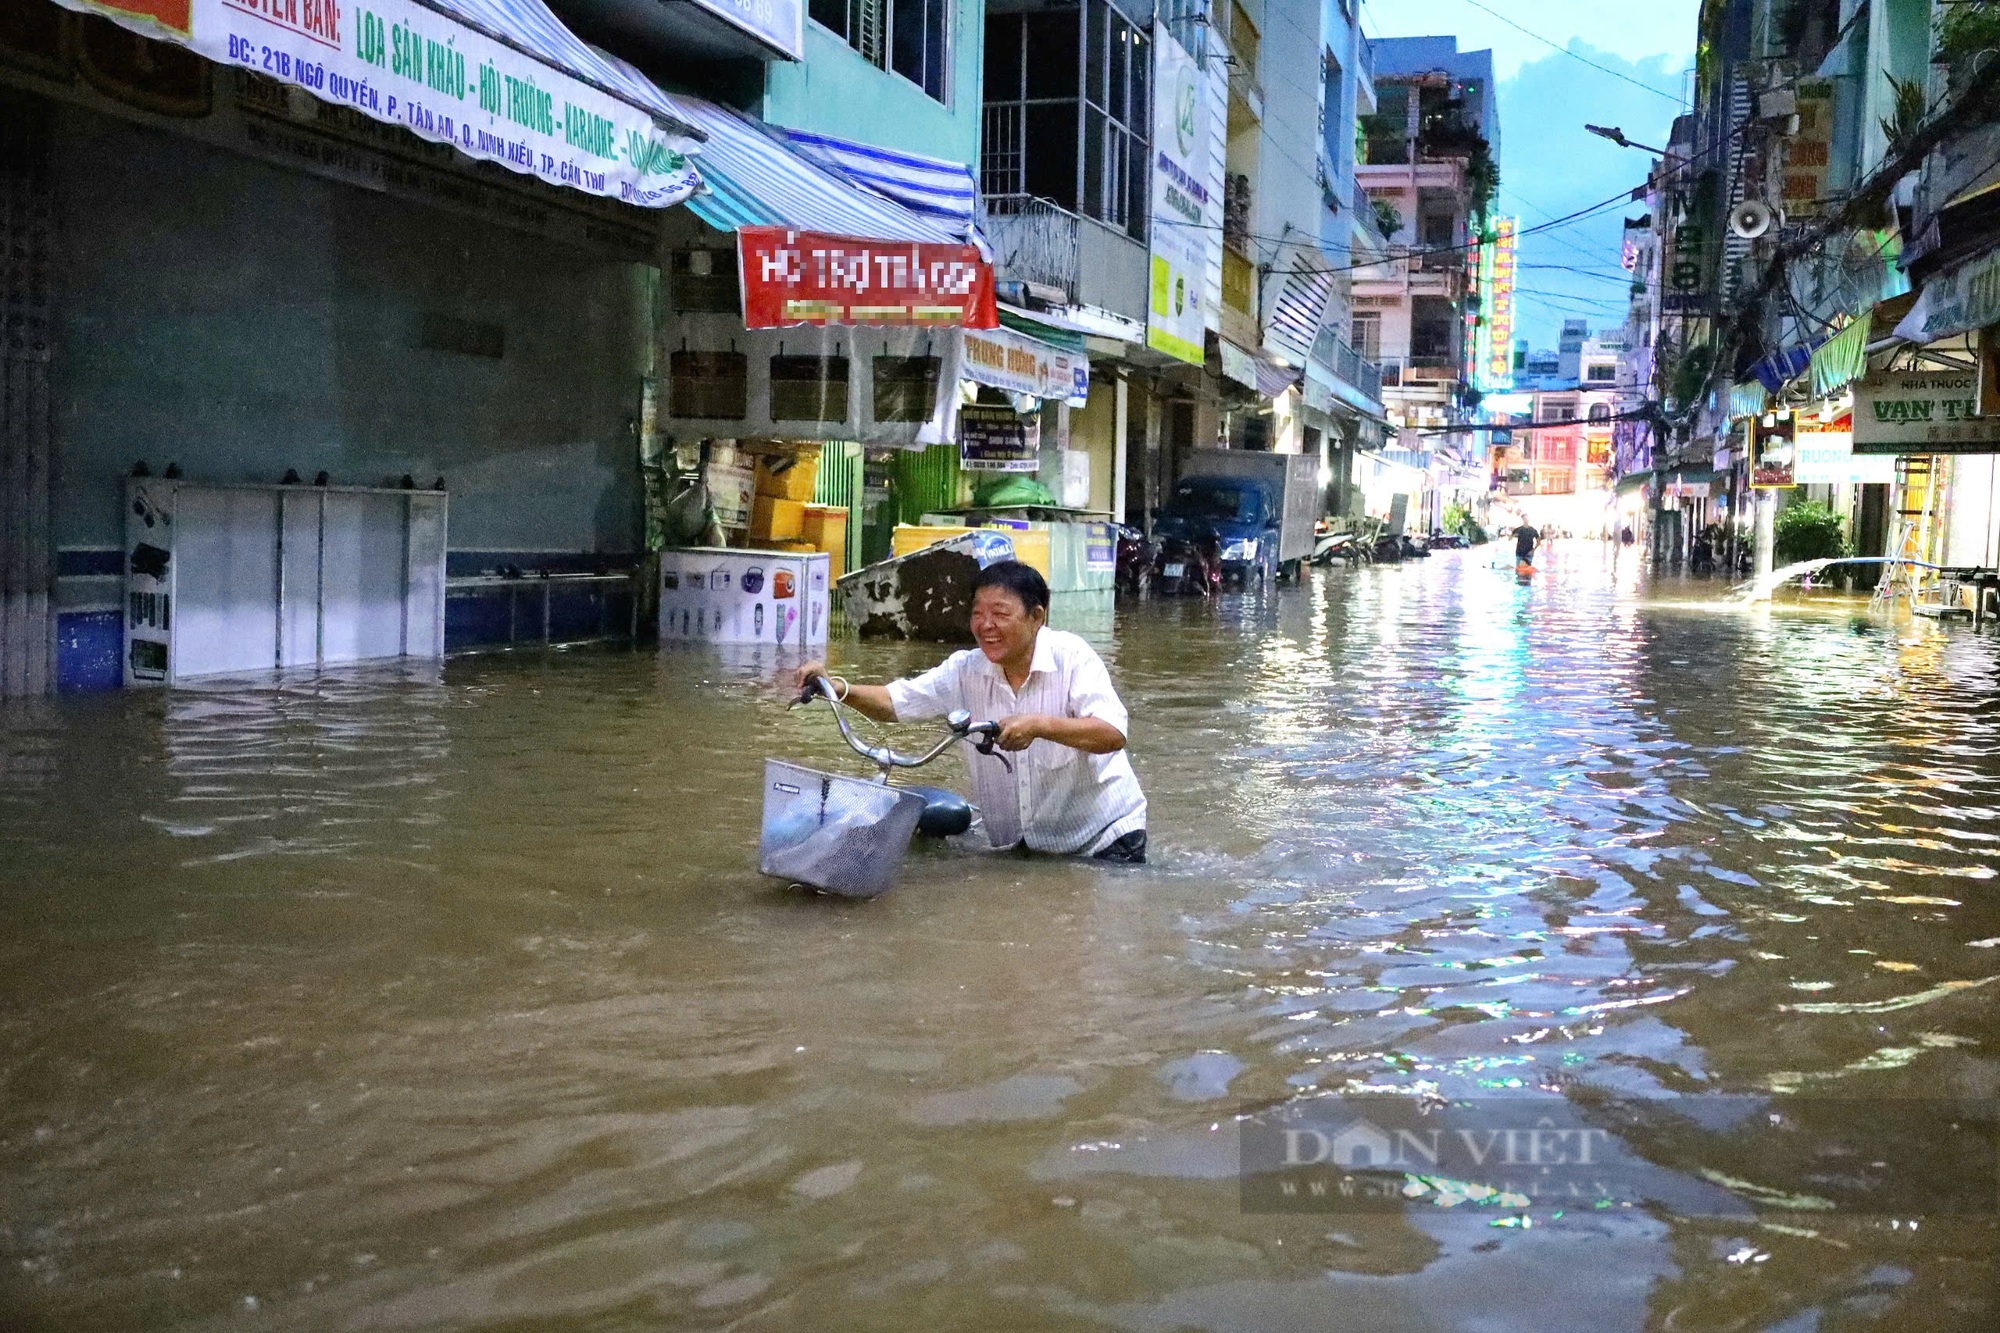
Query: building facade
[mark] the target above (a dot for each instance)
(1429, 169)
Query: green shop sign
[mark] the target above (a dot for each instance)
(1922, 412)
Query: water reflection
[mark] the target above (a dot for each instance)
(455, 1001)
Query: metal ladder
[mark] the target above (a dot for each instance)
(1912, 536)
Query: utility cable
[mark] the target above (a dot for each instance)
(1604, 69)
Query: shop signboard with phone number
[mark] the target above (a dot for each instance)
(408, 65)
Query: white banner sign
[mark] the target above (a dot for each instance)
(1003, 359)
(1922, 412)
(1827, 458)
(1187, 214)
(399, 62)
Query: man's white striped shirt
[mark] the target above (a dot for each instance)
(1057, 799)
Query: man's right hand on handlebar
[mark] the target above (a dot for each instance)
(868, 700)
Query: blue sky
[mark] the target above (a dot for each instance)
(1549, 166)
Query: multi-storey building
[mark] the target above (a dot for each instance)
(1429, 172)
(1429, 149)
(1556, 468)
(1204, 161)
(468, 251)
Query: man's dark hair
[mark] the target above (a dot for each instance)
(1024, 581)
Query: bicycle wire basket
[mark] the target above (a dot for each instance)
(844, 835)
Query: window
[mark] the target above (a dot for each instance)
(1068, 113)
(1602, 374)
(1433, 327)
(910, 37)
(1243, 39)
(1367, 334)
(1331, 109)
(1600, 411)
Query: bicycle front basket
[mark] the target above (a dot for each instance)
(839, 834)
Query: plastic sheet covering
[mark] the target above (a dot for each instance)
(883, 387)
(844, 835)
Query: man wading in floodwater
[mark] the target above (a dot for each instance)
(1525, 538)
(1072, 790)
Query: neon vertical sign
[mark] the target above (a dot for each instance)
(1496, 300)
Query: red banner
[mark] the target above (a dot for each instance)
(805, 277)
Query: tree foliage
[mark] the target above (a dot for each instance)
(1807, 531)
(1458, 518)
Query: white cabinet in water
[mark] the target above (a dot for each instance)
(231, 578)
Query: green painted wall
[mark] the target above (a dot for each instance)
(834, 91)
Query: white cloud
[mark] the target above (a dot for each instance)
(1630, 31)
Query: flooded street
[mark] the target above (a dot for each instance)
(388, 1001)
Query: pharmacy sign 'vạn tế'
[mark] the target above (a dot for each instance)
(1922, 412)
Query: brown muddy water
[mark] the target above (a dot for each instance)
(394, 1001)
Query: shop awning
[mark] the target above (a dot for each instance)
(1955, 301)
(1746, 400)
(927, 185)
(756, 180)
(1779, 368)
(1238, 366)
(499, 80)
(528, 26)
(1632, 481)
(1067, 339)
(1272, 381)
(1841, 359)
(1692, 483)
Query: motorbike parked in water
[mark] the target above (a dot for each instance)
(1188, 566)
(1136, 558)
(1701, 559)
(1329, 546)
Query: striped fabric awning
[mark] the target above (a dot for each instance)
(1843, 358)
(529, 27)
(1746, 400)
(1780, 368)
(756, 180)
(927, 185)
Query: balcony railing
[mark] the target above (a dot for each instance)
(1405, 370)
(1091, 262)
(1331, 351)
(1033, 240)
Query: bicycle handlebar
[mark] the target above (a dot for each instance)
(960, 723)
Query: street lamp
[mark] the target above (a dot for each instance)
(1617, 136)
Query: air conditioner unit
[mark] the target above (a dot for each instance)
(1753, 218)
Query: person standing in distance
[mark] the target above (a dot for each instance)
(1525, 539)
(1072, 790)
